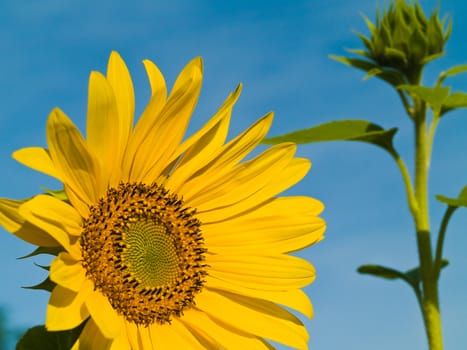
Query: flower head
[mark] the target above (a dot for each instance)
(169, 243)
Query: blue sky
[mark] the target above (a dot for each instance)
(279, 51)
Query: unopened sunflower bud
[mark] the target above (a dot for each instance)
(404, 39)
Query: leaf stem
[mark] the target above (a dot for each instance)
(411, 200)
(431, 135)
(406, 103)
(439, 244)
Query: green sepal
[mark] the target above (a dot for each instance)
(448, 31)
(342, 130)
(46, 284)
(418, 45)
(370, 25)
(44, 250)
(460, 201)
(373, 72)
(434, 35)
(395, 54)
(43, 267)
(59, 194)
(389, 75)
(433, 57)
(359, 52)
(368, 44)
(355, 62)
(38, 338)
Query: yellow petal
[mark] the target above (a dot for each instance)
(66, 308)
(13, 222)
(157, 82)
(70, 155)
(151, 113)
(244, 180)
(289, 205)
(91, 338)
(37, 158)
(145, 338)
(57, 218)
(67, 272)
(255, 316)
(81, 207)
(121, 342)
(228, 156)
(119, 79)
(104, 128)
(106, 318)
(221, 334)
(167, 129)
(290, 175)
(201, 147)
(138, 337)
(174, 336)
(281, 225)
(273, 272)
(294, 298)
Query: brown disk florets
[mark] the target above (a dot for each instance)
(143, 249)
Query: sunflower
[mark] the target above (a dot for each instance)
(169, 243)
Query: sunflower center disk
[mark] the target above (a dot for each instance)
(151, 254)
(144, 251)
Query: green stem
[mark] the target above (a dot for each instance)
(430, 302)
(439, 244)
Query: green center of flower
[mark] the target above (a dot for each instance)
(143, 249)
(151, 254)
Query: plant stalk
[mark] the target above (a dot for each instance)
(430, 301)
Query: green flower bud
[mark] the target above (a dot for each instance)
(403, 39)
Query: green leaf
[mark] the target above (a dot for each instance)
(38, 338)
(454, 101)
(452, 72)
(342, 130)
(46, 284)
(412, 276)
(434, 96)
(460, 201)
(385, 272)
(44, 250)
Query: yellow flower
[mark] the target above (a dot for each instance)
(169, 243)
